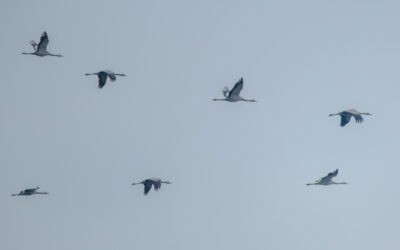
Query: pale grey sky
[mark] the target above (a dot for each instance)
(239, 169)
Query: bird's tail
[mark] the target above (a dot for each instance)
(225, 91)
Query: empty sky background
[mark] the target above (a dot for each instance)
(239, 169)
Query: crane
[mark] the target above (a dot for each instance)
(148, 183)
(233, 94)
(30, 191)
(347, 114)
(327, 180)
(103, 77)
(41, 48)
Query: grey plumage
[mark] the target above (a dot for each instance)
(327, 180)
(30, 191)
(347, 114)
(41, 48)
(151, 182)
(102, 75)
(233, 94)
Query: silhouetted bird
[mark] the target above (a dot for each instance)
(148, 183)
(30, 191)
(347, 114)
(41, 48)
(327, 180)
(233, 94)
(103, 77)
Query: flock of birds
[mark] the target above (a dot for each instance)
(232, 95)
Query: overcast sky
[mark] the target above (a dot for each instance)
(238, 169)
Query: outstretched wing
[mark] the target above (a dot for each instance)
(112, 77)
(237, 88)
(358, 118)
(147, 187)
(345, 118)
(225, 91)
(102, 79)
(44, 40)
(329, 176)
(30, 190)
(157, 185)
(34, 45)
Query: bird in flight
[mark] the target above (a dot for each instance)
(233, 94)
(41, 48)
(327, 180)
(30, 191)
(103, 77)
(347, 114)
(148, 183)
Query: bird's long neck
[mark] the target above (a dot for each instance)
(58, 55)
(37, 192)
(120, 74)
(216, 99)
(338, 182)
(247, 100)
(25, 53)
(334, 114)
(311, 184)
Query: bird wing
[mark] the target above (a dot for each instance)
(157, 185)
(358, 118)
(102, 79)
(345, 118)
(34, 45)
(235, 91)
(329, 176)
(225, 91)
(44, 40)
(30, 191)
(112, 77)
(147, 187)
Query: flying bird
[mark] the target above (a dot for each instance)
(347, 114)
(148, 183)
(41, 48)
(30, 191)
(103, 77)
(233, 94)
(327, 180)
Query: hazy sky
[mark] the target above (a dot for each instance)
(239, 169)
